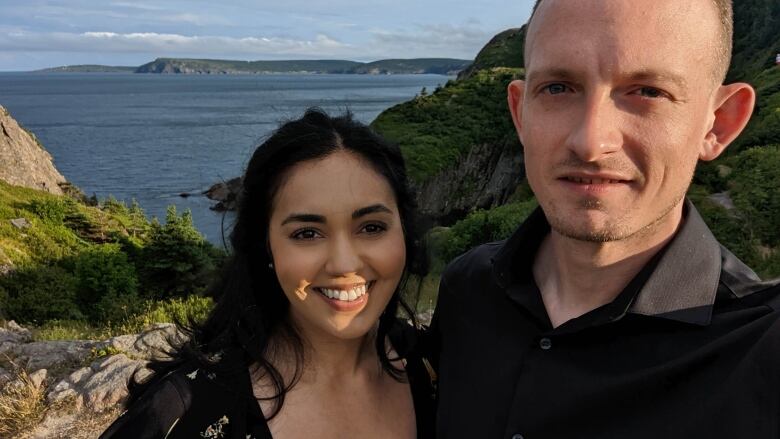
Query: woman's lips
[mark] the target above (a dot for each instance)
(345, 299)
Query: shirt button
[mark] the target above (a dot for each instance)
(545, 343)
(517, 436)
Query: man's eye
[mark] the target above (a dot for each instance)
(305, 234)
(650, 92)
(374, 228)
(555, 89)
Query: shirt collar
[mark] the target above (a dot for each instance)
(682, 286)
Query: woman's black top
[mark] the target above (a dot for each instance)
(194, 402)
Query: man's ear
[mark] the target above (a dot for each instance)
(733, 107)
(515, 93)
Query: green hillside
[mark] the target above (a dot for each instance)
(89, 68)
(62, 258)
(435, 129)
(217, 66)
(439, 66)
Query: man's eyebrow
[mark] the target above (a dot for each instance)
(374, 208)
(304, 218)
(653, 75)
(557, 73)
(551, 73)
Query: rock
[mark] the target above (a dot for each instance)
(483, 179)
(50, 354)
(225, 193)
(5, 377)
(108, 385)
(13, 333)
(150, 344)
(156, 342)
(723, 199)
(20, 223)
(38, 377)
(98, 387)
(23, 161)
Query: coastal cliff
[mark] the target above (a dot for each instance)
(23, 160)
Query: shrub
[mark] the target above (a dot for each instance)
(482, 226)
(177, 261)
(52, 210)
(755, 189)
(35, 295)
(22, 405)
(107, 283)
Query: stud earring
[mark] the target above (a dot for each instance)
(270, 265)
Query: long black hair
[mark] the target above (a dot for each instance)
(251, 308)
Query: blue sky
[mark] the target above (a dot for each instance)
(45, 33)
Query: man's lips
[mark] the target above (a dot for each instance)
(595, 179)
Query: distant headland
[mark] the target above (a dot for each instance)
(441, 66)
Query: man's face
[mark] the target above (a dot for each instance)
(615, 110)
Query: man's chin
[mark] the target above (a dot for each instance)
(590, 228)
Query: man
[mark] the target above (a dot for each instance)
(612, 312)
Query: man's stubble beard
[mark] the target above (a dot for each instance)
(618, 229)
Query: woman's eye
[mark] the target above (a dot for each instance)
(374, 228)
(305, 234)
(555, 89)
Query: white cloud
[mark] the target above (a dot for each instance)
(168, 44)
(442, 40)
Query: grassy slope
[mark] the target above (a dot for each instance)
(51, 236)
(434, 130)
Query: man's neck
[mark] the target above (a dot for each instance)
(576, 277)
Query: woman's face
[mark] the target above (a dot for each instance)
(337, 245)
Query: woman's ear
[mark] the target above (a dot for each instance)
(733, 107)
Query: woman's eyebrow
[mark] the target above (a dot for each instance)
(304, 218)
(374, 208)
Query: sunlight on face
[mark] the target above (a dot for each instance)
(616, 105)
(337, 244)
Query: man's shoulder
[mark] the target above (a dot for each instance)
(476, 262)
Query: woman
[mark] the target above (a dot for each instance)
(304, 339)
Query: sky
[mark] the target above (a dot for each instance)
(37, 34)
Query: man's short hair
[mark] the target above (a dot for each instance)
(726, 14)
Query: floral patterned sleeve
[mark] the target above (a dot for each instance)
(154, 416)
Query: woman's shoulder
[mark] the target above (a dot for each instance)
(189, 400)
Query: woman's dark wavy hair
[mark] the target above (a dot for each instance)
(251, 307)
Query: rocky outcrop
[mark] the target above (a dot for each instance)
(225, 194)
(484, 178)
(23, 161)
(83, 379)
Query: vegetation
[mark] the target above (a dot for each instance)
(504, 50)
(393, 66)
(440, 66)
(22, 405)
(68, 261)
(434, 130)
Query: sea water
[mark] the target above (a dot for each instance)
(153, 137)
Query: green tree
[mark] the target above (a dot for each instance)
(107, 283)
(177, 259)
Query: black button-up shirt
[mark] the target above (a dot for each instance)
(689, 349)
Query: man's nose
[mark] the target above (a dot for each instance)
(343, 257)
(597, 133)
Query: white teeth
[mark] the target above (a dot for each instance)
(345, 295)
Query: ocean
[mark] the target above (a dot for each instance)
(152, 137)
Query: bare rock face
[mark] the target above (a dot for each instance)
(79, 386)
(483, 179)
(23, 161)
